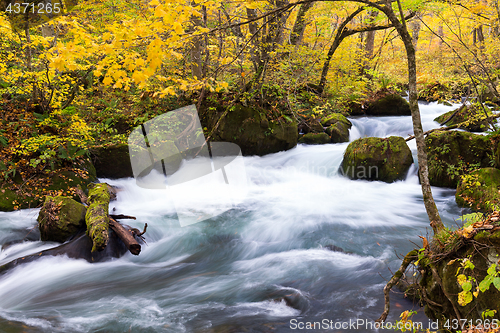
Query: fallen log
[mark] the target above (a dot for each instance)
(96, 218)
(126, 236)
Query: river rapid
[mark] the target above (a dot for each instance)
(232, 273)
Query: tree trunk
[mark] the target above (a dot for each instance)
(415, 32)
(96, 217)
(430, 205)
(300, 24)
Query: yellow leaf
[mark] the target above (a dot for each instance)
(178, 28)
(154, 3)
(107, 81)
(466, 232)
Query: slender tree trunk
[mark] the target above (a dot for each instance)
(415, 32)
(430, 205)
(339, 36)
(300, 24)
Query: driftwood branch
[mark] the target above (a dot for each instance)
(408, 259)
(126, 236)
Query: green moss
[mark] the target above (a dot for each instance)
(335, 118)
(97, 216)
(470, 118)
(315, 138)
(255, 133)
(60, 218)
(386, 159)
(452, 154)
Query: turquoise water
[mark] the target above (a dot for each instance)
(237, 271)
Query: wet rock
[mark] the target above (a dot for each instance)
(338, 127)
(335, 248)
(315, 138)
(60, 218)
(471, 118)
(451, 154)
(479, 190)
(386, 103)
(243, 126)
(384, 159)
(79, 247)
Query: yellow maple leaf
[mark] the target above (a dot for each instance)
(178, 28)
(58, 63)
(107, 81)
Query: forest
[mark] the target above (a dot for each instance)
(369, 148)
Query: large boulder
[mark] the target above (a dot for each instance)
(470, 118)
(315, 138)
(249, 128)
(479, 190)
(451, 154)
(385, 159)
(337, 127)
(60, 218)
(112, 161)
(386, 103)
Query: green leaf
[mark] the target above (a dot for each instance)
(485, 284)
(492, 270)
(496, 282)
(467, 286)
(4, 141)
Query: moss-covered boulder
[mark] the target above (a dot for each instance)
(337, 127)
(250, 128)
(449, 256)
(385, 159)
(112, 161)
(386, 103)
(470, 118)
(479, 190)
(60, 218)
(315, 138)
(452, 154)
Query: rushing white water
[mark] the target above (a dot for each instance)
(234, 270)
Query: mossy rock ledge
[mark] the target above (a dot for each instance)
(249, 128)
(384, 159)
(60, 218)
(479, 190)
(471, 118)
(386, 103)
(315, 138)
(451, 154)
(338, 127)
(483, 252)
